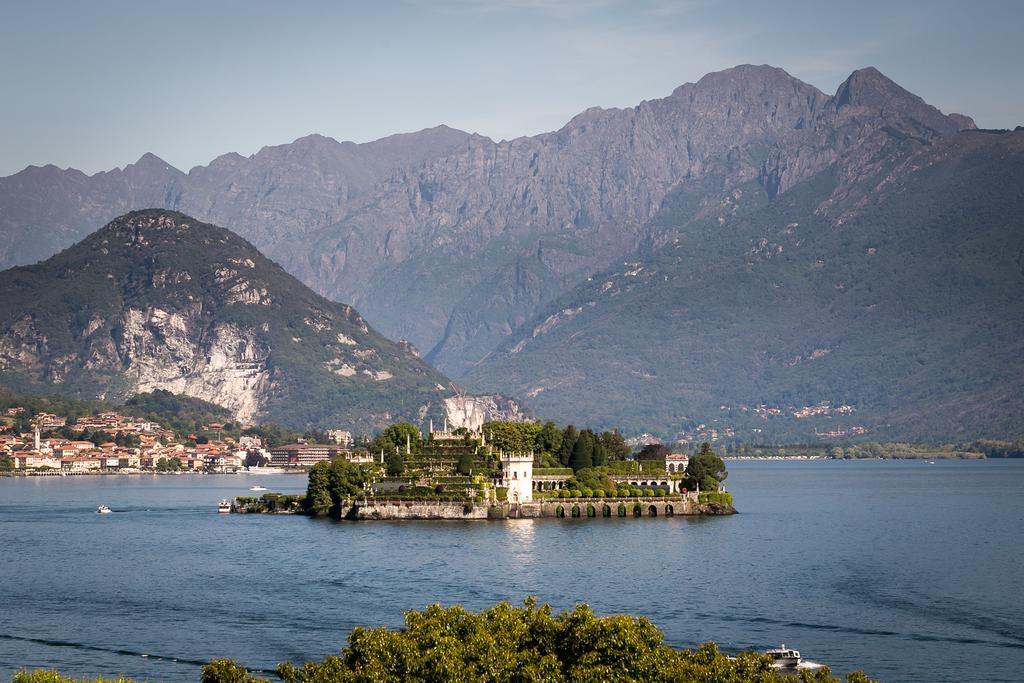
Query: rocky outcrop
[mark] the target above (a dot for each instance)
(471, 412)
(227, 366)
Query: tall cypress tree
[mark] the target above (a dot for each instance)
(569, 438)
(583, 451)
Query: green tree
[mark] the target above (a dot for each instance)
(513, 437)
(226, 671)
(465, 464)
(706, 469)
(127, 440)
(531, 643)
(168, 465)
(46, 676)
(332, 483)
(396, 436)
(569, 438)
(583, 452)
(615, 445)
(394, 463)
(654, 451)
(549, 439)
(591, 478)
(346, 479)
(318, 489)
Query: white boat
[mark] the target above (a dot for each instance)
(257, 488)
(784, 657)
(224, 506)
(103, 510)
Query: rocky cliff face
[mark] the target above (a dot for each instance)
(511, 224)
(453, 241)
(158, 300)
(471, 412)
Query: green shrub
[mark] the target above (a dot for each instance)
(648, 492)
(551, 471)
(599, 493)
(507, 643)
(636, 493)
(576, 493)
(624, 492)
(723, 498)
(587, 493)
(46, 676)
(226, 671)
(563, 493)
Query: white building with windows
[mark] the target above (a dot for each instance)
(675, 463)
(517, 476)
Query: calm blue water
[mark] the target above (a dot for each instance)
(910, 570)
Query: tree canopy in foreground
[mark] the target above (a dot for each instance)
(507, 643)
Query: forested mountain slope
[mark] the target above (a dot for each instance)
(905, 318)
(159, 300)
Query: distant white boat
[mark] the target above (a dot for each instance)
(784, 657)
(257, 488)
(224, 506)
(103, 510)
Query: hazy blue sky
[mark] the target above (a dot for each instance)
(95, 85)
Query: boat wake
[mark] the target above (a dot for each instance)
(809, 665)
(111, 650)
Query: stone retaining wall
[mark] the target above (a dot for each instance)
(397, 509)
(558, 508)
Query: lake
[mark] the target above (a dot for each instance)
(909, 570)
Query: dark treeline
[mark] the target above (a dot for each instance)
(558, 447)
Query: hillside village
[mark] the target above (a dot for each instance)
(110, 442)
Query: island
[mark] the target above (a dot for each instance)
(502, 470)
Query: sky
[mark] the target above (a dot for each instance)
(95, 85)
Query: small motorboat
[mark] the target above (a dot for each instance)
(784, 657)
(103, 510)
(257, 487)
(224, 506)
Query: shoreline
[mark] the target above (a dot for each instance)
(686, 505)
(25, 475)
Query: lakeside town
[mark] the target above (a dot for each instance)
(113, 443)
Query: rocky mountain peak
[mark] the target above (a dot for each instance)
(744, 80)
(165, 225)
(965, 122)
(150, 159)
(870, 90)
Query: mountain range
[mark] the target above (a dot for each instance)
(747, 254)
